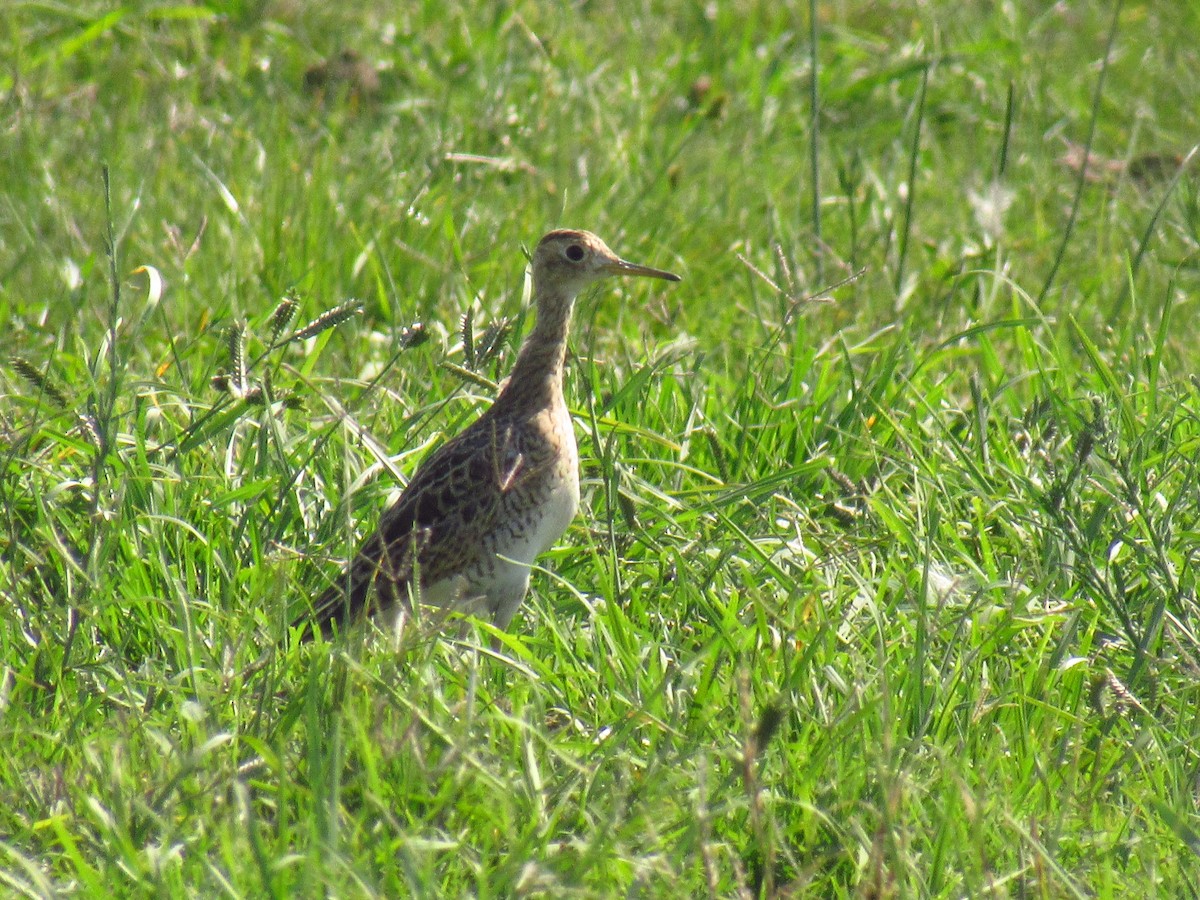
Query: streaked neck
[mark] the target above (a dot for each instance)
(537, 376)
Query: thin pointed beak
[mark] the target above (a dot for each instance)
(621, 267)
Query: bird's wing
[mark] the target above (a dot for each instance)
(436, 526)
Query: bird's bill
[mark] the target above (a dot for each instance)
(621, 267)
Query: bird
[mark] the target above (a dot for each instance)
(483, 506)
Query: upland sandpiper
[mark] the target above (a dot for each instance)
(487, 503)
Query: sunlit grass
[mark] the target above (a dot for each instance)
(884, 590)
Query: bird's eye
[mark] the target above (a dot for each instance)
(574, 253)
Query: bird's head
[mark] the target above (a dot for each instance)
(566, 261)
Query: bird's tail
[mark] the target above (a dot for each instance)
(374, 582)
(354, 594)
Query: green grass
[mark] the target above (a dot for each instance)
(888, 596)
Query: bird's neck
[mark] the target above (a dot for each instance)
(537, 376)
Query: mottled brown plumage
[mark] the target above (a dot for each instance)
(482, 507)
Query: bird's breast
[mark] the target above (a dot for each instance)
(546, 497)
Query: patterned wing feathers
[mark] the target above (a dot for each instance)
(438, 526)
